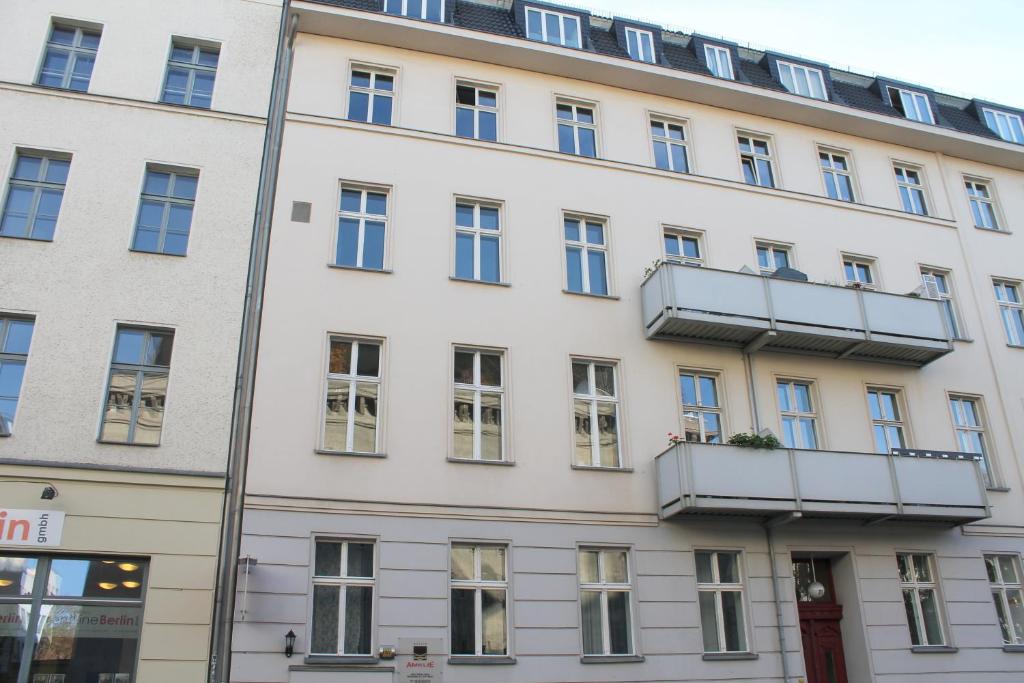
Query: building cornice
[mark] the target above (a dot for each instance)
(450, 41)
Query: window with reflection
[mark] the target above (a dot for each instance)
(969, 424)
(343, 585)
(887, 419)
(683, 246)
(1004, 578)
(670, 148)
(553, 27)
(835, 170)
(34, 195)
(69, 619)
(479, 407)
(586, 256)
(362, 228)
(756, 161)
(431, 10)
(1011, 310)
(921, 598)
(137, 389)
(702, 410)
(165, 211)
(596, 414)
(353, 396)
(477, 241)
(371, 95)
(605, 601)
(15, 339)
(70, 57)
(771, 257)
(577, 128)
(798, 415)
(720, 596)
(911, 189)
(479, 600)
(191, 71)
(476, 112)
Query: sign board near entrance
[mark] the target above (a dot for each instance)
(41, 528)
(420, 660)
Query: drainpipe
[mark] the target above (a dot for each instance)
(748, 363)
(778, 603)
(234, 488)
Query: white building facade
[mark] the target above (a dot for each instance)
(530, 269)
(131, 140)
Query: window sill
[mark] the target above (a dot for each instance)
(591, 468)
(611, 297)
(966, 340)
(361, 270)
(133, 445)
(351, 454)
(728, 656)
(468, 461)
(469, 660)
(479, 282)
(998, 489)
(1013, 648)
(328, 660)
(933, 649)
(610, 659)
(25, 238)
(1016, 346)
(997, 231)
(155, 253)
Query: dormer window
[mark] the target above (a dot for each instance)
(719, 61)
(431, 10)
(802, 80)
(640, 45)
(553, 27)
(1005, 125)
(913, 105)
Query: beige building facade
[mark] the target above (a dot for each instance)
(131, 141)
(483, 318)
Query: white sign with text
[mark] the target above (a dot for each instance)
(31, 527)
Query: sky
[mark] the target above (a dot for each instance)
(964, 48)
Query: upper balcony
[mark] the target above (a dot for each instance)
(704, 479)
(704, 305)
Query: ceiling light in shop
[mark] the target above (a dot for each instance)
(128, 566)
(107, 586)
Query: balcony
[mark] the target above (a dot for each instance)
(753, 312)
(704, 479)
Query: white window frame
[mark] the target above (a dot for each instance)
(857, 263)
(372, 91)
(980, 194)
(1011, 306)
(585, 248)
(669, 141)
(713, 55)
(604, 587)
(355, 380)
(593, 399)
(645, 49)
(682, 235)
(887, 422)
(1000, 586)
(562, 17)
(478, 584)
(343, 582)
(796, 72)
(962, 427)
(916, 585)
(947, 299)
(13, 358)
(717, 588)
(833, 171)
(362, 216)
(755, 156)
(795, 413)
(1001, 123)
(913, 112)
(478, 388)
(478, 232)
(773, 247)
(576, 125)
(907, 189)
(478, 108)
(700, 408)
(423, 10)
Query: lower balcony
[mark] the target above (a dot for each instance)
(705, 479)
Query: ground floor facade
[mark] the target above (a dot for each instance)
(538, 596)
(106, 576)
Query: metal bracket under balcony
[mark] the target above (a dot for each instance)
(705, 479)
(754, 312)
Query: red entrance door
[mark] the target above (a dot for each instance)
(819, 623)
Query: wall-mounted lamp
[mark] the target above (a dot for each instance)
(386, 652)
(289, 643)
(49, 492)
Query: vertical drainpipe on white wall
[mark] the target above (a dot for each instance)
(234, 490)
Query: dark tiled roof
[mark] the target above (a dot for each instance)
(847, 89)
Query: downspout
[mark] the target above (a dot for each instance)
(241, 418)
(778, 603)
